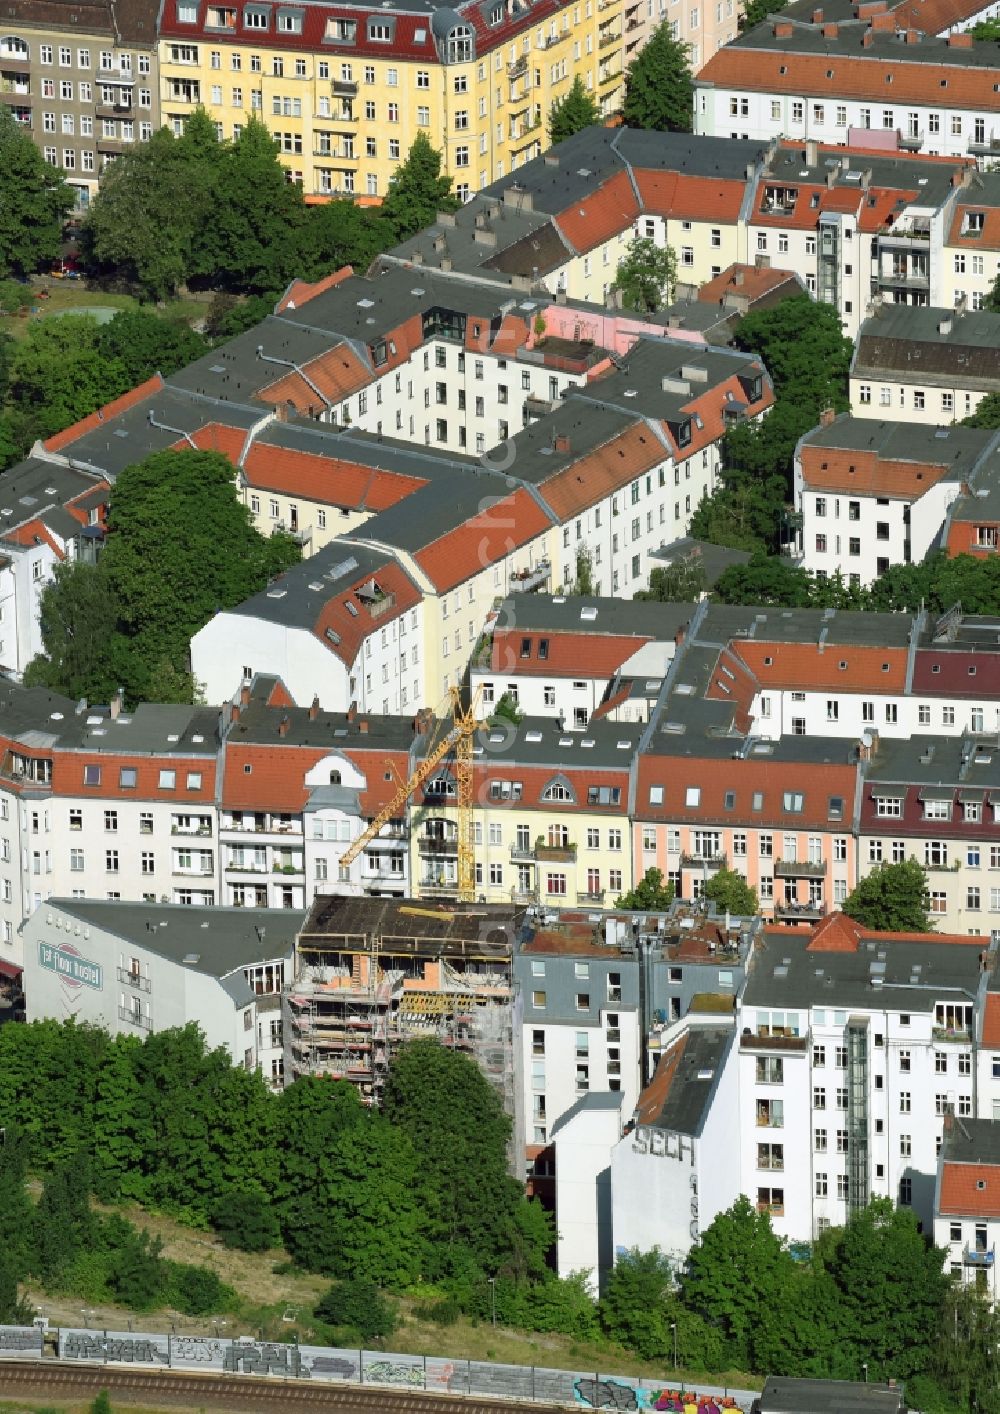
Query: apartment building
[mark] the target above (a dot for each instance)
(136, 968)
(82, 78)
(967, 1201)
(48, 514)
(805, 78)
(551, 816)
(937, 364)
(569, 658)
(371, 974)
(891, 482)
(346, 92)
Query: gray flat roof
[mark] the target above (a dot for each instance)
(959, 448)
(540, 741)
(260, 724)
(769, 624)
(36, 488)
(36, 717)
(936, 760)
(692, 1084)
(914, 975)
(220, 940)
(588, 614)
(972, 1141)
(787, 1396)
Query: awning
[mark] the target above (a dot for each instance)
(970, 797)
(881, 792)
(7, 969)
(937, 793)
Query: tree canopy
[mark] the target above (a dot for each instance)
(180, 547)
(36, 201)
(892, 899)
(658, 89)
(575, 111)
(650, 893)
(646, 275)
(731, 893)
(417, 190)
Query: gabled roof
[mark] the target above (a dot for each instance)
(69, 435)
(328, 479)
(491, 535)
(830, 665)
(761, 789)
(969, 1190)
(678, 197)
(606, 210)
(332, 376)
(600, 471)
(347, 618)
(573, 655)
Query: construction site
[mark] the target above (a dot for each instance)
(373, 973)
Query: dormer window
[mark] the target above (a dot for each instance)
(973, 223)
(459, 45)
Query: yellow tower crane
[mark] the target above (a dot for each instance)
(458, 739)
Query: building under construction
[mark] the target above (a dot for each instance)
(372, 973)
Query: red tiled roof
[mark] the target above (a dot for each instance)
(216, 437)
(710, 407)
(352, 628)
(333, 375)
(836, 933)
(600, 215)
(806, 665)
(650, 1104)
(745, 779)
(68, 776)
(935, 16)
(490, 536)
(112, 409)
(754, 283)
(327, 479)
(300, 292)
(867, 474)
(969, 1190)
(595, 655)
(862, 75)
(276, 780)
(34, 532)
(991, 1021)
(598, 472)
(957, 673)
(672, 194)
(987, 239)
(533, 780)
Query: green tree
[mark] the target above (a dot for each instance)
(757, 11)
(417, 190)
(312, 1114)
(765, 579)
(121, 1131)
(460, 1133)
(61, 1223)
(891, 899)
(572, 113)
(340, 232)
(358, 1304)
(252, 244)
(102, 1404)
(507, 709)
(658, 89)
(646, 275)
(15, 1308)
(678, 583)
(245, 1219)
(137, 1273)
(36, 202)
(891, 1287)
(987, 414)
(803, 348)
(738, 1270)
(77, 616)
(651, 894)
(988, 30)
(584, 583)
(141, 343)
(181, 546)
(962, 1360)
(730, 892)
(197, 1291)
(58, 375)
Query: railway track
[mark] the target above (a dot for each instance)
(42, 1379)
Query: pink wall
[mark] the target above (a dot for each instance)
(617, 332)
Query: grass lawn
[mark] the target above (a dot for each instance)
(280, 1304)
(73, 296)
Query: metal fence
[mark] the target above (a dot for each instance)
(581, 1389)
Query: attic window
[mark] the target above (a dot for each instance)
(768, 662)
(730, 800)
(692, 797)
(972, 672)
(935, 667)
(783, 69)
(885, 667)
(247, 769)
(656, 795)
(842, 665)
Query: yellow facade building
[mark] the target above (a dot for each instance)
(345, 92)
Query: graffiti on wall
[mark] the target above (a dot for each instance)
(618, 1395)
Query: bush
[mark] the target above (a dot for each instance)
(198, 1291)
(246, 1220)
(441, 1313)
(137, 1273)
(359, 1304)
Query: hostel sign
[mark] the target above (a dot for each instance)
(74, 970)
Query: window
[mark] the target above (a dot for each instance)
(905, 1102)
(167, 780)
(111, 861)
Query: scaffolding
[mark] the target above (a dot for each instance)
(390, 972)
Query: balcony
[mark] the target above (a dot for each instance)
(605, 40)
(519, 67)
(750, 1041)
(120, 109)
(522, 853)
(609, 76)
(798, 869)
(200, 832)
(537, 407)
(593, 896)
(133, 979)
(437, 845)
(192, 871)
(344, 88)
(978, 1256)
(135, 1018)
(951, 1033)
(287, 866)
(439, 888)
(794, 912)
(985, 146)
(526, 581)
(110, 146)
(14, 88)
(707, 861)
(524, 895)
(911, 142)
(902, 237)
(14, 64)
(555, 853)
(911, 279)
(246, 867)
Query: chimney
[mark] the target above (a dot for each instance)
(826, 417)
(812, 153)
(739, 278)
(886, 23)
(913, 36)
(945, 326)
(817, 17)
(783, 30)
(446, 262)
(314, 709)
(283, 726)
(550, 159)
(680, 635)
(561, 295)
(234, 713)
(866, 39)
(363, 726)
(560, 443)
(352, 711)
(116, 704)
(960, 41)
(245, 695)
(830, 31)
